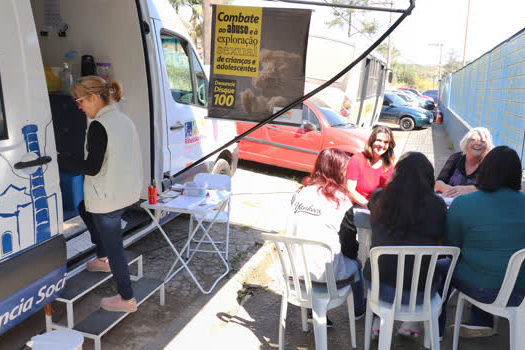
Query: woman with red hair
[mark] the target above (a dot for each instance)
(317, 210)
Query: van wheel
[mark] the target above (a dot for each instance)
(221, 167)
(406, 123)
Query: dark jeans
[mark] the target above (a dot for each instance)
(479, 317)
(106, 234)
(359, 293)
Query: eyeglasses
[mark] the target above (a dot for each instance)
(78, 100)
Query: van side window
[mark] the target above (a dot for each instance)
(3, 122)
(200, 81)
(178, 69)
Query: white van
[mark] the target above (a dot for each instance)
(165, 91)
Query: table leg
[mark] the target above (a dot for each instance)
(184, 263)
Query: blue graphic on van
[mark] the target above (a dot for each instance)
(191, 132)
(26, 208)
(38, 189)
(15, 206)
(19, 306)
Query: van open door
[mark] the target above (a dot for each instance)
(32, 252)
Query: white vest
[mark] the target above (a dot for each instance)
(118, 183)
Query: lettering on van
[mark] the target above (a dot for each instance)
(191, 132)
(32, 298)
(237, 40)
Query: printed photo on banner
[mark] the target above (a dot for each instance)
(258, 60)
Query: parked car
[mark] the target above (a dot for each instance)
(296, 145)
(432, 93)
(424, 102)
(417, 93)
(396, 110)
(409, 98)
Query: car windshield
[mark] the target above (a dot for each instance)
(333, 118)
(410, 92)
(396, 100)
(404, 97)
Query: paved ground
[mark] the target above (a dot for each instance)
(243, 310)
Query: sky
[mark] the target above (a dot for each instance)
(444, 21)
(434, 22)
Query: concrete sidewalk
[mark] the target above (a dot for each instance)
(243, 310)
(244, 313)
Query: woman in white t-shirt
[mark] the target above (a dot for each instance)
(316, 212)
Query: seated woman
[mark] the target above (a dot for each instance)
(458, 176)
(489, 226)
(407, 212)
(371, 168)
(316, 212)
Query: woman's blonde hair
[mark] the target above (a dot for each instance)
(93, 85)
(484, 133)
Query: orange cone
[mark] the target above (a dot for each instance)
(439, 117)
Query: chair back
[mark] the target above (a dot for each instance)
(509, 281)
(419, 253)
(214, 181)
(296, 279)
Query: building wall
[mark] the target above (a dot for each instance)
(489, 92)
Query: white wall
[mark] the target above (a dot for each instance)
(109, 30)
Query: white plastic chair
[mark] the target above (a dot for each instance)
(515, 314)
(428, 311)
(297, 288)
(213, 182)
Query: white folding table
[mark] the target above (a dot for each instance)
(216, 200)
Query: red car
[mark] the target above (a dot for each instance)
(295, 145)
(417, 93)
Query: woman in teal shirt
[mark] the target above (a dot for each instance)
(488, 226)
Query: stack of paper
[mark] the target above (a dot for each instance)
(185, 202)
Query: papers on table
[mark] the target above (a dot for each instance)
(185, 202)
(448, 200)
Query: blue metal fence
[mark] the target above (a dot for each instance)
(489, 92)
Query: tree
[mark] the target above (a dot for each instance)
(194, 26)
(453, 63)
(343, 17)
(394, 52)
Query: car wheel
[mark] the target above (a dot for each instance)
(407, 123)
(221, 167)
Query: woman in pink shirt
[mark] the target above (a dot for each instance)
(372, 168)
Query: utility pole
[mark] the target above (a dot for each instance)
(389, 52)
(389, 42)
(466, 32)
(440, 45)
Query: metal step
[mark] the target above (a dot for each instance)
(101, 321)
(86, 281)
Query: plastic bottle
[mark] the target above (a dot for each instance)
(66, 79)
(73, 66)
(103, 70)
(152, 193)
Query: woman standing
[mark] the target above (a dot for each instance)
(458, 176)
(371, 168)
(112, 172)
